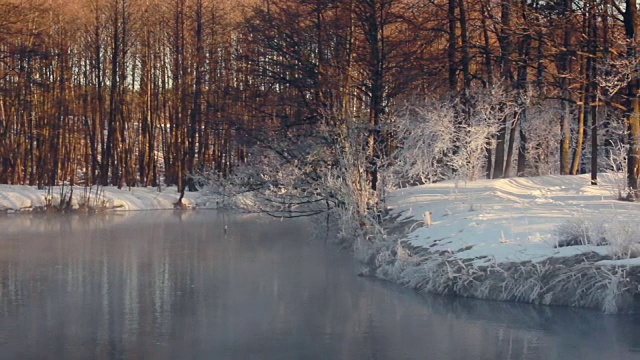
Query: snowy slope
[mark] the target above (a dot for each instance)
(510, 220)
(498, 240)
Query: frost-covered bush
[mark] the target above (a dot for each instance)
(448, 138)
(426, 132)
(73, 198)
(613, 76)
(280, 185)
(623, 237)
(620, 234)
(615, 156)
(487, 109)
(543, 136)
(323, 170)
(580, 231)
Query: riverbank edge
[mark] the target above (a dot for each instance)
(575, 281)
(71, 199)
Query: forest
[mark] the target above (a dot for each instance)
(332, 101)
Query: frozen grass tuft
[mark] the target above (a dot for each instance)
(579, 231)
(622, 235)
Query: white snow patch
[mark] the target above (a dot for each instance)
(620, 262)
(14, 198)
(509, 220)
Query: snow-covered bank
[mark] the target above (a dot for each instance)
(549, 240)
(19, 198)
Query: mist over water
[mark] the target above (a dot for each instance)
(175, 285)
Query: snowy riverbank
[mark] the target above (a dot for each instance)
(547, 240)
(22, 198)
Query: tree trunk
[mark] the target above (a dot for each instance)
(522, 81)
(592, 70)
(522, 149)
(577, 152)
(465, 60)
(507, 76)
(564, 66)
(515, 124)
(196, 113)
(452, 47)
(633, 103)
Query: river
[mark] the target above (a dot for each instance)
(213, 285)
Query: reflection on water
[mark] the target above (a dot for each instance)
(169, 285)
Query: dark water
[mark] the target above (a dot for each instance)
(164, 285)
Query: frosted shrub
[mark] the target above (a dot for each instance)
(469, 161)
(580, 231)
(345, 187)
(67, 197)
(488, 109)
(622, 235)
(613, 76)
(543, 134)
(442, 139)
(427, 132)
(614, 287)
(304, 175)
(615, 157)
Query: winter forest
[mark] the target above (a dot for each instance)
(318, 102)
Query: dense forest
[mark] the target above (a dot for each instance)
(361, 92)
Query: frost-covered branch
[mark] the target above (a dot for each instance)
(440, 139)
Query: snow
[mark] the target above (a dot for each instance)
(509, 220)
(552, 240)
(17, 198)
(620, 262)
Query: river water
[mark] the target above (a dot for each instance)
(177, 285)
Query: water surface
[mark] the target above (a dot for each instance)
(175, 285)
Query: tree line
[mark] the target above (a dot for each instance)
(119, 92)
(142, 92)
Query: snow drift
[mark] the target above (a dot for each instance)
(552, 240)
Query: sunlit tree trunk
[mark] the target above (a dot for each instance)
(506, 73)
(630, 17)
